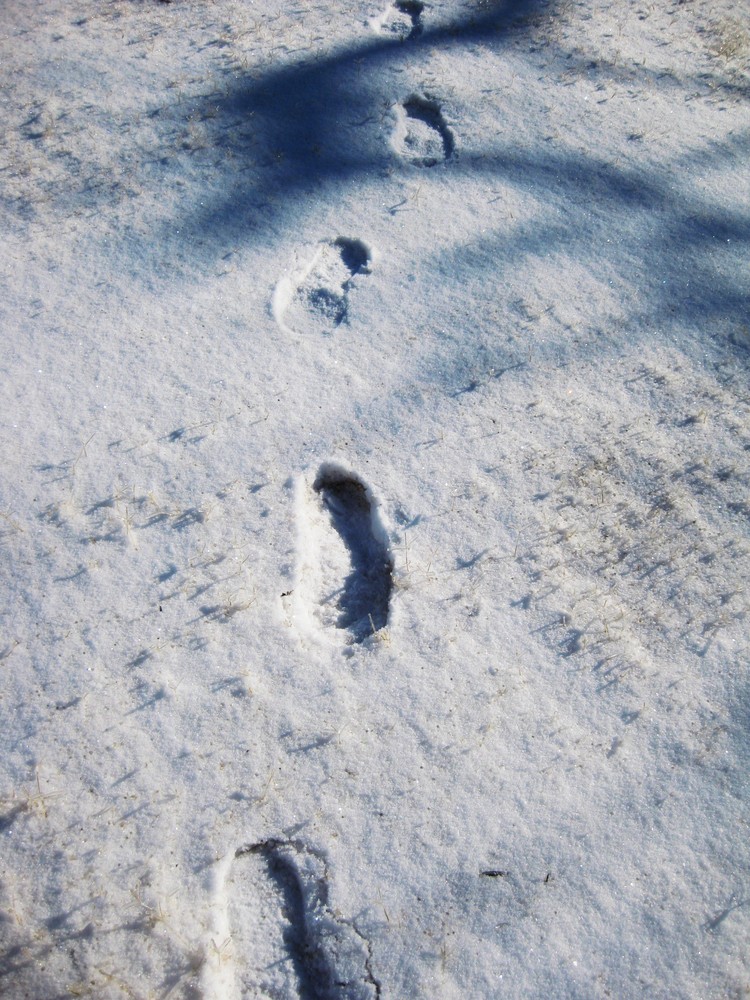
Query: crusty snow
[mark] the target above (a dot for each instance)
(374, 499)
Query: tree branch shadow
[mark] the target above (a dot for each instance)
(293, 133)
(311, 124)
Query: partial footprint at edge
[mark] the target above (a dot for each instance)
(317, 296)
(346, 573)
(284, 939)
(402, 19)
(422, 135)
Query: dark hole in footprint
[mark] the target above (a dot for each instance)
(365, 593)
(413, 8)
(355, 255)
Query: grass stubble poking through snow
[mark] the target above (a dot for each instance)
(374, 514)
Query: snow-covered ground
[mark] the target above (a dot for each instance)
(374, 501)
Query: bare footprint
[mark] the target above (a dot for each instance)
(316, 298)
(401, 19)
(279, 936)
(345, 561)
(421, 135)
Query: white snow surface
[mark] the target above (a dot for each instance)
(428, 316)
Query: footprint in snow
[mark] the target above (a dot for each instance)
(317, 296)
(401, 19)
(345, 561)
(421, 135)
(276, 934)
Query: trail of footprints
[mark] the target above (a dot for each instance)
(345, 578)
(421, 136)
(283, 938)
(316, 296)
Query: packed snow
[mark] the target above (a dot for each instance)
(374, 508)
